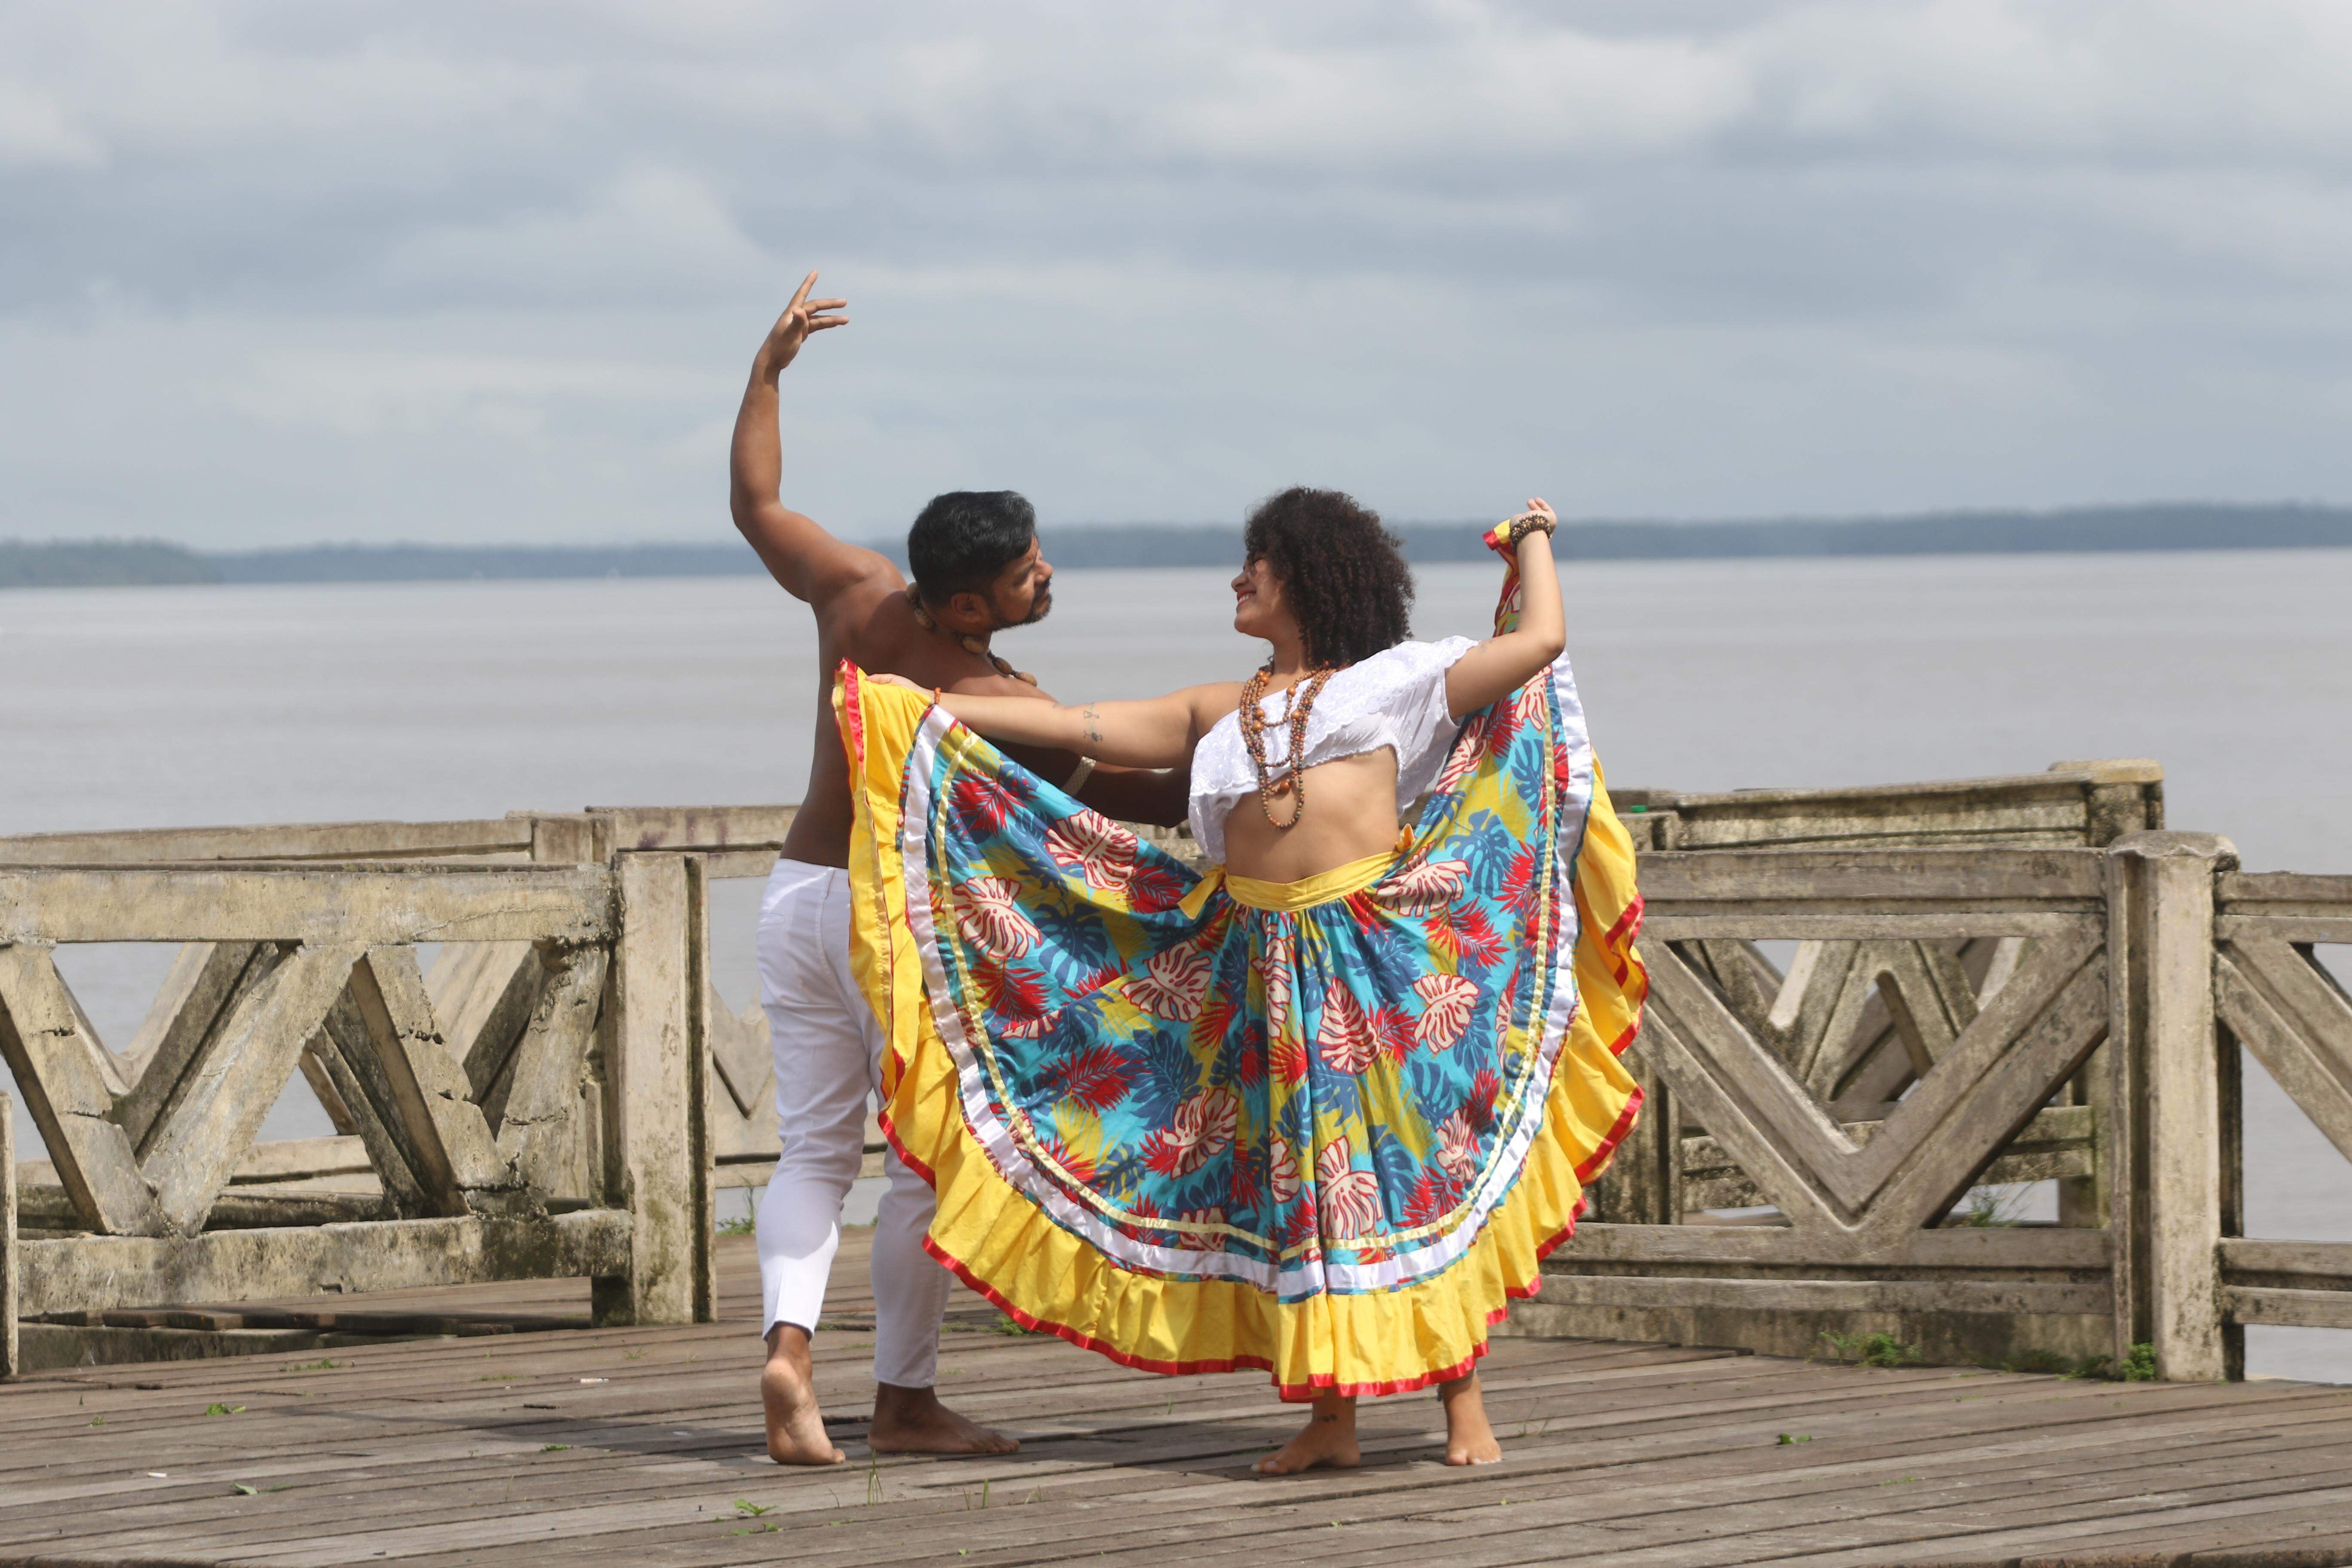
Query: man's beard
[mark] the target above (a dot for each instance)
(1039, 604)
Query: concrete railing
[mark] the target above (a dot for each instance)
(1946, 1018)
(550, 1130)
(1949, 1018)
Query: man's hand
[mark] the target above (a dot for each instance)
(802, 319)
(812, 565)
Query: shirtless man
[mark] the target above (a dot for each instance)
(978, 570)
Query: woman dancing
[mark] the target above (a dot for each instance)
(1321, 1109)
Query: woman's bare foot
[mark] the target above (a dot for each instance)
(1329, 1441)
(788, 1392)
(1469, 1440)
(913, 1421)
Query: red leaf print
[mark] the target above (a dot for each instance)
(1350, 1199)
(1094, 1077)
(1430, 1201)
(1078, 1168)
(980, 805)
(1087, 984)
(1466, 934)
(1424, 885)
(1301, 1229)
(1395, 1030)
(1250, 1065)
(1519, 881)
(1172, 983)
(1153, 887)
(1095, 847)
(1502, 727)
(1446, 1000)
(1216, 1018)
(990, 920)
(1345, 1041)
(1289, 1058)
(1459, 761)
(1016, 994)
(1485, 1090)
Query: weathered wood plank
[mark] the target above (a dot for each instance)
(96, 1273)
(381, 905)
(58, 1071)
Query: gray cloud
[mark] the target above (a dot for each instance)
(277, 271)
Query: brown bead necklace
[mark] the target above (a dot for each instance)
(1302, 703)
(968, 643)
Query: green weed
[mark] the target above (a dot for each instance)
(1870, 1350)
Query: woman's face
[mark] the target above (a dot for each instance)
(1258, 607)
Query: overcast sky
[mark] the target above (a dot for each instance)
(276, 272)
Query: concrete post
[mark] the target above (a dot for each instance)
(2161, 903)
(653, 1079)
(9, 1362)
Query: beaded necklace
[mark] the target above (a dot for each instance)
(1253, 718)
(970, 644)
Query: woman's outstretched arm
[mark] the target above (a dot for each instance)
(1504, 663)
(1157, 732)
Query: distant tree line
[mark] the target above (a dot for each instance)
(2160, 526)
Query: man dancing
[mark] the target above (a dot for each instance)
(978, 570)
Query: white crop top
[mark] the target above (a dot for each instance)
(1395, 699)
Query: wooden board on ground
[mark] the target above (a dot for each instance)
(640, 1447)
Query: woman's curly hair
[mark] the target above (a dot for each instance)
(1343, 572)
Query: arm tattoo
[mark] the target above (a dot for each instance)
(1093, 728)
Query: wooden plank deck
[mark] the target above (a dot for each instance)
(632, 1447)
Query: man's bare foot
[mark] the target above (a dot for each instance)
(1469, 1440)
(913, 1421)
(788, 1392)
(1328, 1442)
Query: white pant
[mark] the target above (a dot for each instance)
(828, 1052)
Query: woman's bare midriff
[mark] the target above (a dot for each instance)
(1350, 812)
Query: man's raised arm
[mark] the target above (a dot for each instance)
(811, 563)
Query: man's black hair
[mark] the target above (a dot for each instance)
(963, 540)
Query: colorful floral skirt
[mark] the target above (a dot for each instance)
(1325, 1129)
